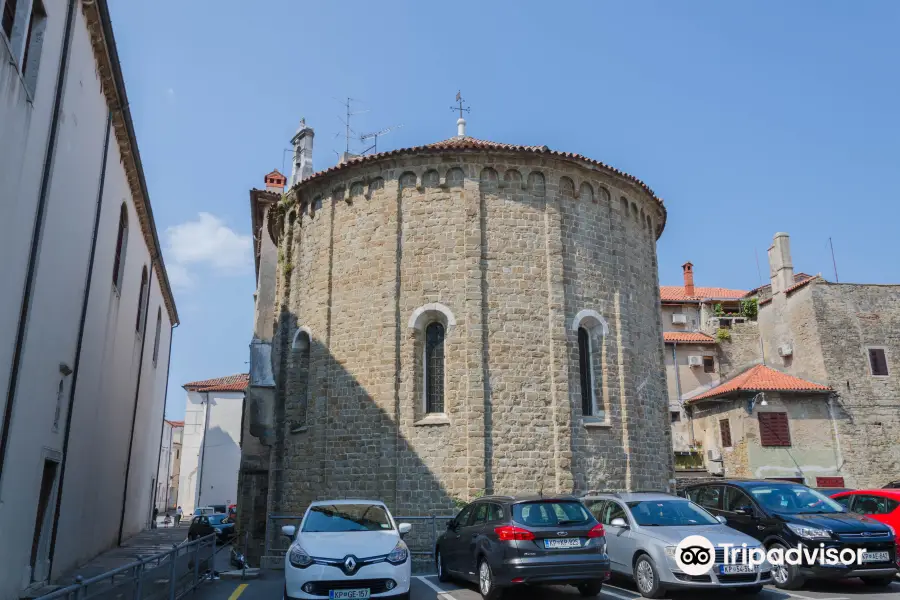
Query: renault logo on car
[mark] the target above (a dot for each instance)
(349, 564)
(562, 533)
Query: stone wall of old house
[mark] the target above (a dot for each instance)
(691, 380)
(691, 314)
(850, 319)
(741, 351)
(508, 251)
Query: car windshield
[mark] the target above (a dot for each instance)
(550, 513)
(794, 499)
(219, 520)
(347, 517)
(669, 513)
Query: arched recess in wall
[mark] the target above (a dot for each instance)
(298, 380)
(407, 180)
(586, 192)
(356, 190)
(376, 185)
(455, 177)
(431, 179)
(489, 179)
(431, 325)
(603, 195)
(513, 178)
(536, 183)
(591, 331)
(566, 188)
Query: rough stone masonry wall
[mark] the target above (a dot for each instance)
(491, 238)
(850, 318)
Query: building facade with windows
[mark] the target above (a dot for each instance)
(169, 465)
(86, 311)
(460, 318)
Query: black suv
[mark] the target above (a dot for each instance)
(784, 515)
(502, 541)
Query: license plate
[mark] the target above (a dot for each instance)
(357, 594)
(876, 557)
(563, 543)
(735, 569)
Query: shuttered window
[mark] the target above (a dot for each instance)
(878, 362)
(773, 429)
(725, 428)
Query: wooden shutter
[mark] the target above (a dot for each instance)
(725, 429)
(773, 429)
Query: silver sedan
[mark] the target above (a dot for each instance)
(643, 530)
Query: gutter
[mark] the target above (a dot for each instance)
(137, 395)
(79, 345)
(36, 234)
(162, 426)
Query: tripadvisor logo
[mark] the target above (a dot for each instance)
(695, 555)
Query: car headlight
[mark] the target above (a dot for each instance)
(299, 558)
(810, 533)
(399, 554)
(893, 532)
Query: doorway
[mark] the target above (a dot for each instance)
(48, 479)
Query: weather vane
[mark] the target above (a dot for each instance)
(460, 108)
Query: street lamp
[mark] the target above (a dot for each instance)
(751, 403)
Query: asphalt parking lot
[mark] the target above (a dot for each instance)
(271, 585)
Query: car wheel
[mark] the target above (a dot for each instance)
(754, 589)
(646, 578)
(590, 589)
(486, 581)
(878, 581)
(786, 577)
(441, 567)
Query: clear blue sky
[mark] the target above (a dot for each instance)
(746, 117)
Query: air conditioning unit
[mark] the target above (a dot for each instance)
(679, 319)
(785, 350)
(695, 361)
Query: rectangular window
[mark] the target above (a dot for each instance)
(725, 429)
(709, 364)
(9, 17)
(34, 41)
(878, 362)
(675, 415)
(830, 482)
(774, 429)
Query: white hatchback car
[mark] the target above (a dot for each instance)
(347, 550)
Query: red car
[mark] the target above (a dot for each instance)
(881, 505)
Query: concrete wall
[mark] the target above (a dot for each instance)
(691, 313)
(692, 381)
(104, 404)
(219, 453)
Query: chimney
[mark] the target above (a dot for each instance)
(275, 182)
(688, 278)
(781, 269)
(303, 148)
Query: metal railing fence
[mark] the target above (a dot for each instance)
(168, 575)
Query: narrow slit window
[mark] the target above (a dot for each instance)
(158, 332)
(139, 322)
(434, 368)
(121, 243)
(585, 366)
(878, 362)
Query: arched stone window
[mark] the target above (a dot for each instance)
(299, 383)
(586, 192)
(455, 177)
(489, 179)
(434, 368)
(407, 180)
(591, 329)
(431, 179)
(121, 244)
(536, 183)
(566, 187)
(142, 293)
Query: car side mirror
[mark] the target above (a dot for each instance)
(618, 522)
(289, 531)
(721, 519)
(744, 510)
(404, 528)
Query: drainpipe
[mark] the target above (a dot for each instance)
(162, 427)
(837, 438)
(137, 394)
(36, 235)
(78, 346)
(202, 454)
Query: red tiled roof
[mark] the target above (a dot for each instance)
(231, 383)
(175, 423)
(669, 293)
(798, 277)
(470, 143)
(276, 172)
(687, 337)
(799, 285)
(762, 379)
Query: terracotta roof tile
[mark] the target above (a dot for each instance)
(231, 383)
(800, 284)
(798, 277)
(175, 423)
(687, 337)
(470, 143)
(669, 293)
(761, 379)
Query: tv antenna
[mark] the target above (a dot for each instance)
(347, 129)
(374, 137)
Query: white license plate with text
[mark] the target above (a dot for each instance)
(876, 557)
(735, 569)
(357, 594)
(563, 543)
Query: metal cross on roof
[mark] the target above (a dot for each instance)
(460, 108)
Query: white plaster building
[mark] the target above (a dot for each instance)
(211, 446)
(169, 465)
(86, 310)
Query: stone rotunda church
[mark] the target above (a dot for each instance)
(461, 318)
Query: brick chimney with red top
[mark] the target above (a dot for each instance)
(688, 278)
(275, 182)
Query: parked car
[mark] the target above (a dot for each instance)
(503, 541)
(347, 550)
(220, 508)
(223, 526)
(199, 527)
(881, 505)
(204, 510)
(832, 492)
(784, 515)
(232, 512)
(893, 485)
(643, 530)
